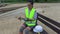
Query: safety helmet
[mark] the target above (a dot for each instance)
(38, 28)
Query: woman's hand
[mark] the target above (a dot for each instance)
(21, 17)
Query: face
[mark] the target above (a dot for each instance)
(30, 6)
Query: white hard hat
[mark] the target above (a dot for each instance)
(38, 28)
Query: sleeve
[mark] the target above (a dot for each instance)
(35, 16)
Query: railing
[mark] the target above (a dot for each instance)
(50, 23)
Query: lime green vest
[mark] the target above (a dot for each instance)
(30, 16)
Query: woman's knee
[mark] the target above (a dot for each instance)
(21, 29)
(26, 31)
(28, 28)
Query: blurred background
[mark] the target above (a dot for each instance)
(10, 9)
(23, 1)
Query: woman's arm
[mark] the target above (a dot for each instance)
(35, 16)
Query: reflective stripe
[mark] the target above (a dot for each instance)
(31, 23)
(30, 16)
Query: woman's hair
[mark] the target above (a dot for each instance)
(31, 2)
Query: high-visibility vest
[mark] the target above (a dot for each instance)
(30, 16)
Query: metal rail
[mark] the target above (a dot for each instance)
(44, 20)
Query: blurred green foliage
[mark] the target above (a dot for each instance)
(47, 1)
(22, 1)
